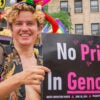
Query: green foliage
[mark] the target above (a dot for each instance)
(64, 17)
(45, 8)
(30, 2)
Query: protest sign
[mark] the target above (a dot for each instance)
(74, 61)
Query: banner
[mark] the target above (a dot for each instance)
(74, 61)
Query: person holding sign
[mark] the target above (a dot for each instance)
(22, 73)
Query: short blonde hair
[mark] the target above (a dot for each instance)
(15, 10)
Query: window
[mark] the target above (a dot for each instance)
(64, 6)
(78, 6)
(94, 4)
(79, 29)
(95, 29)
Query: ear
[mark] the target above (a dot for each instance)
(10, 27)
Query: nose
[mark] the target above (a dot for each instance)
(24, 27)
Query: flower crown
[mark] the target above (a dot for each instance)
(34, 3)
(38, 5)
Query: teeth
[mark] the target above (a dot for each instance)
(25, 35)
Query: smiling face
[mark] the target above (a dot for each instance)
(25, 29)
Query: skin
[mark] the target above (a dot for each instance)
(26, 26)
(24, 31)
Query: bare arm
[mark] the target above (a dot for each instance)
(32, 76)
(8, 86)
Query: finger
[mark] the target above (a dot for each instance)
(38, 71)
(44, 68)
(38, 77)
(36, 82)
(47, 69)
(33, 82)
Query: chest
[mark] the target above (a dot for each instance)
(28, 62)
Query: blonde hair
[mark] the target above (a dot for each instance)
(15, 10)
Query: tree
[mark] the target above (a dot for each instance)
(64, 17)
(61, 15)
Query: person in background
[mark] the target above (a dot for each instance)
(22, 72)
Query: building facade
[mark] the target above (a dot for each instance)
(84, 14)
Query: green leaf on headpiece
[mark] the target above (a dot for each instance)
(30, 2)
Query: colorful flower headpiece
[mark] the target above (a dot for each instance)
(38, 5)
(31, 2)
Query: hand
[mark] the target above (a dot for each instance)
(33, 76)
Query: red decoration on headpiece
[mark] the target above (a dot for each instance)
(54, 24)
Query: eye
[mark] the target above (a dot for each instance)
(18, 23)
(30, 23)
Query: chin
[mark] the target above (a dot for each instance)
(25, 44)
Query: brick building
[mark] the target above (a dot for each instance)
(84, 14)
